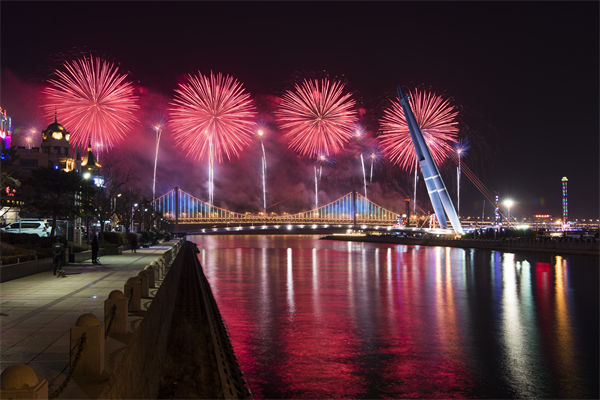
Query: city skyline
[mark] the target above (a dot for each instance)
(514, 113)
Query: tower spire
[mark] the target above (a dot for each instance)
(55, 119)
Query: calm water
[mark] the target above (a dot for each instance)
(312, 318)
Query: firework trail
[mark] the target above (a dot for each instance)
(373, 156)
(317, 118)
(212, 117)
(93, 100)
(436, 118)
(362, 162)
(461, 149)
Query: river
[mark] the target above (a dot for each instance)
(312, 318)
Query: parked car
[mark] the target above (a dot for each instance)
(36, 227)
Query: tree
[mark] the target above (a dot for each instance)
(50, 193)
(124, 207)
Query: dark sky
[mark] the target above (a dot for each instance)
(524, 75)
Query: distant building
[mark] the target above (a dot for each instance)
(5, 132)
(53, 152)
(90, 168)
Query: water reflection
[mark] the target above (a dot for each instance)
(317, 319)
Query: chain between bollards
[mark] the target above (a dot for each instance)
(113, 311)
(59, 390)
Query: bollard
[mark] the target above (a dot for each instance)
(132, 291)
(87, 353)
(151, 278)
(163, 271)
(115, 313)
(144, 284)
(20, 382)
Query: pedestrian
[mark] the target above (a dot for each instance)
(57, 254)
(134, 242)
(95, 249)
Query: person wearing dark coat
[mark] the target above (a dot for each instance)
(95, 249)
(134, 243)
(57, 256)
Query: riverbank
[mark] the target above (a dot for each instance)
(590, 247)
(39, 311)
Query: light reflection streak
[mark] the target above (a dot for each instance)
(563, 331)
(390, 290)
(512, 329)
(290, 282)
(264, 280)
(315, 283)
(376, 255)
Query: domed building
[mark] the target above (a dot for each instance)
(53, 152)
(55, 143)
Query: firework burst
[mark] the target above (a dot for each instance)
(93, 101)
(436, 118)
(317, 117)
(212, 116)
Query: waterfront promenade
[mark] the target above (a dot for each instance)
(37, 311)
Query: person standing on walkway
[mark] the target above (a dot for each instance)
(57, 255)
(95, 249)
(134, 242)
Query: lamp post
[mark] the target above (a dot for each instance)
(508, 203)
(132, 210)
(158, 130)
(260, 134)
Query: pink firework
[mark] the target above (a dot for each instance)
(212, 116)
(93, 100)
(317, 117)
(436, 118)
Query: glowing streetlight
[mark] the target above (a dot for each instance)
(158, 130)
(508, 203)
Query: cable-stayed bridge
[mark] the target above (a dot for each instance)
(179, 207)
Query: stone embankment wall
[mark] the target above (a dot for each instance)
(181, 348)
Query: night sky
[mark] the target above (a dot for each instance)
(523, 75)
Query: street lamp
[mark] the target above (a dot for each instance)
(158, 130)
(132, 209)
(260, 134)
(508, 203)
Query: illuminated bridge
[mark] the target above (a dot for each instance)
(180, 207)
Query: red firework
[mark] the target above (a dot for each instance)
(93, 100)
(436, 118)
(212, 117)
(317, 117)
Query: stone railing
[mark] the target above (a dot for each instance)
(88, 335)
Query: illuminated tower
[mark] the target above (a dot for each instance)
(496, 211)
(565, 202)
(438, 194)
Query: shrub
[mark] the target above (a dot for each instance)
(26, 240)
(12, 254)
(114, 238)
(78, 248)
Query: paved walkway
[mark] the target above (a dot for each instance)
(37, 311)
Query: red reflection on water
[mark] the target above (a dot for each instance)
(321, 319)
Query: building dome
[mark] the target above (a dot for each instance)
(55, 131)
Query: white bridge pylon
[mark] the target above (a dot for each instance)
(353, 208)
